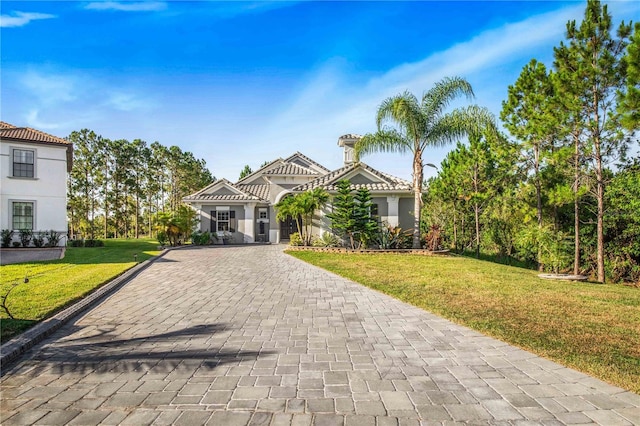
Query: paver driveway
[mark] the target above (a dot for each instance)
(249, 335)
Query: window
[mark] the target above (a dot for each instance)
(22, 215)
(223, 220)
(262, 214)
(23, 163)
(226, 220)
(374, 210)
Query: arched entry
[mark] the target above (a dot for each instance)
(289, 225)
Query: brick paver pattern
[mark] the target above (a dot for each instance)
(249, 335)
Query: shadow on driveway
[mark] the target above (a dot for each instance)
(103, 352)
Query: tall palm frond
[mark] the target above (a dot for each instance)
(417, 125)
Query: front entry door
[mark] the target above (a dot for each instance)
(288, 227)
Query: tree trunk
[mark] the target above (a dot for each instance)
(455, 230)
(600, 215)
(476, 209)
(576, 205)
(599, 188)
(417, 197)
(536, 166)
(106, 195)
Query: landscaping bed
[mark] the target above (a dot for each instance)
(10, 256)
(421, 252)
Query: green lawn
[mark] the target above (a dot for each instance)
(55, 284)
(593, 328)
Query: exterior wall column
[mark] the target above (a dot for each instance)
(249, 223)
(198, 208)
(393, 212)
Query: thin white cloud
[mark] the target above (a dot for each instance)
(329, 106)
(20, 19)
(50, 89)
(147, 6)
(122, 101)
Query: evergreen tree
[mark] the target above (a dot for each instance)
(629, 99)
(85, 181)
(342, 217)
(245, 172)
(591, 71)
(366, 225)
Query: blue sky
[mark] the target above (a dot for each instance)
(244, 82)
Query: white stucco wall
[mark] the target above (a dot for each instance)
(48, 189)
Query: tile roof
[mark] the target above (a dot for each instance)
(260, 171)
(223, 197)
(329, 181)
(304, 157)
(350, 136)
(27, 134)
(260, 191)
(245, 193)
(291, 169)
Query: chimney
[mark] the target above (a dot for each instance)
(347, 142)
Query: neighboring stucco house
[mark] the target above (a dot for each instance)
(246, 208)
(34, 167)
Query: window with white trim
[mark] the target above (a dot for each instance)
(22, 215)
(222, 219)
(23, 163)
(262, 213)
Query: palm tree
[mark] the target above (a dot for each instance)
(302, 207)
(418, 125)
(311, 201)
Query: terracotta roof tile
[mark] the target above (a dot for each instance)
(27, 134)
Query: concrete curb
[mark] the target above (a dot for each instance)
(16, 347)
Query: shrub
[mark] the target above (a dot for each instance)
(93, 243)
(327, 240)
(76, 243)
(6, 235)
(432, 240)
(295, 239)
(16, 244)
(38, 239)
(162, 238)
(25, 237)
(53, 238)
(200, 238)
(391, 237)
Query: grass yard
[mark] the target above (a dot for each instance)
(57, 283)
(593, 328)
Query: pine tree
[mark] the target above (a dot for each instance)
(629, 99)
(342, 217)
(591, 72)
(246, 171)
(366, 225)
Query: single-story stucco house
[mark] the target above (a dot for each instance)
(33, 188)
(246, 208)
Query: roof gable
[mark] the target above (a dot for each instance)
(256, 177)
(302, 160)
(361, 176)
(223, 190)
